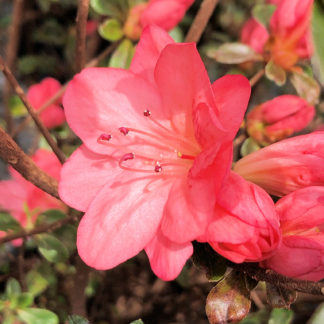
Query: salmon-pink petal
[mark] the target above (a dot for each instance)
(12, 196)
(164, 13)
(48, 162)
(167, 258)
(84, 174)
(53, 116)
(232, 94)
(121, 220)
(152, 42)
(101, 100)
(187, 97)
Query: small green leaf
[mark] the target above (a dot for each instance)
(139, 321)
(17, 108)
(76, 319)
(177, 34)
(50, 216)
(51, 248)
(281, 316)
(275, 73)
(13, 288)
(105, 7)
(279, 297)
(122, 56)
(7, 223)
(306, 87)
(25, 300)
(249, 146)
(234, 53)
(263, 13)
(318, 316)
(36, 283)
(111, 30)
(260, 317)
(37, 316)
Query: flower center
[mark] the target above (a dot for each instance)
(159, 150)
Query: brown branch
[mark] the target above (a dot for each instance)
(81, 23)
(200, 22)
(260, 274)
(256, 78)
(45, 228)
(11, 153)
(11, 54)
(20, 92)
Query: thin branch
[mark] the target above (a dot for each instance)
(256, 78)
(20, 92)
(45, 228)
(60, 92)
(200, 22)
(11, 54)
(81, 23)
(11, 153)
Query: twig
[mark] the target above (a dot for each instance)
(11, 153)
(11, 54)
(81, 23)
(200, 22)
(256, 299)
(260, 274)
(45, 228)
(21, 262)
(60, 92)
(256, 78)
(20, 92)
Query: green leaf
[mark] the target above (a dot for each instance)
(281, 316)
(260, 317)
(234, 53)
(17, 108)
(51, 248)
(263, 13)
(318, 32)
(177, 34)
(249, 146)
(105, 7)
(122, 56)
(13, 288)
(275, 73)
(37, 316)
(36, 283)
(139, 321)
(7, 223)
(50, 216)
(76, 319)
(318, 316)
(25, 300)
(111, 30)
(306, 87)
(279, 297)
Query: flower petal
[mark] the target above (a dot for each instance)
(101, 100)
(121, 220)
(167, 258)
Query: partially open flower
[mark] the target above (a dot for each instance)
(157, 148)
(286, 166)
(301, 254)
(22, 199)
(38, 94)
(245, 225)
(278, 118)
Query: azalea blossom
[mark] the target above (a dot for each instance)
(289, 36)
(157, 148)
(38, 94)
(301, 254)
(286, 166)
(163, 13)
(245, 227)
(278, 118)
(22, 199)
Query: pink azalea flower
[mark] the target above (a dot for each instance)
(157, 147)
(246, 226)
(278, 118)
(163, 13)
(38, 94)
(301, 254)
(287, 165)
(18, 195)
(255, 35)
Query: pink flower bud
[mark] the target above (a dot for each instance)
(278, 118)
(255, 35)
(245, 225)
(301, 254)
(38, 94)
(286, 166)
